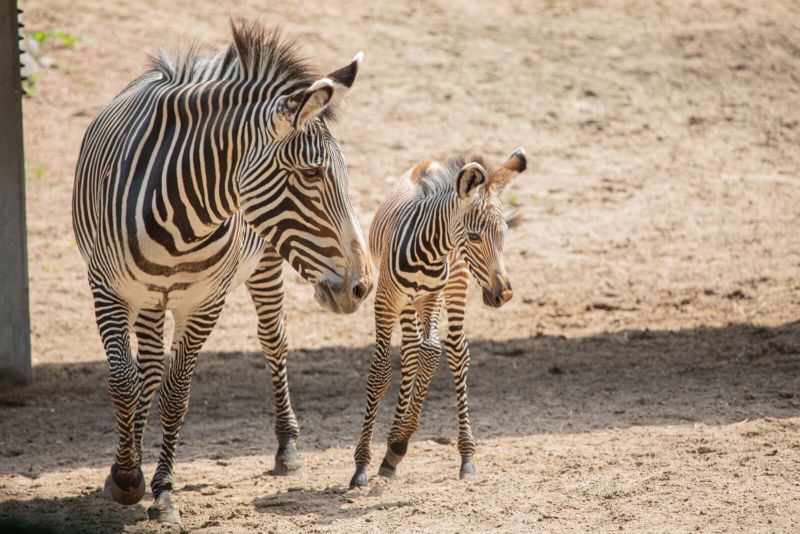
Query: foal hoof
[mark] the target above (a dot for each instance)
(359, 480)
(287, 460)
(467, 469)
(164, 510)
(386, 469)
(125, 489)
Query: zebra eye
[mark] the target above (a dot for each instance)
(310, 173)
(473, 236)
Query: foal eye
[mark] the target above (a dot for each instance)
(473, 236)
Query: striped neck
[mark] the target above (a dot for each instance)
(437, 217)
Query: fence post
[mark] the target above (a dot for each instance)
(15, 341)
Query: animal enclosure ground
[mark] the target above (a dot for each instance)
(644, 378)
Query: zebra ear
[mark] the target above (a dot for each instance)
(323, 93)
(516, 164)
(293, 112)
(469, 178)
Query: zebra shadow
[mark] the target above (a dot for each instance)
(518, 387)
(329, 505)
(87, 513)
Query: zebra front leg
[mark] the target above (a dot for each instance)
(457, 351)
(149, 330)
(458, 361)
(126, 481)
(409, 350)
(191, 331)
(378, 380)
(266, 290)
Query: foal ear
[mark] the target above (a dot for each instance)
(516, 164)
(302, 107)
(469, 178)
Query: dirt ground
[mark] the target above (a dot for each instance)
(646, 375)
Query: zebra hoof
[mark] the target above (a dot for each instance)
(467, 469)
(164, 510)
(287, 460)
(125, 490)
(386, 469)
(359, 479)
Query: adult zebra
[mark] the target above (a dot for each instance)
(204, 173)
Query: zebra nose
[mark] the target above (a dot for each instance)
(360, 290)
(501, 297)
(502, 292)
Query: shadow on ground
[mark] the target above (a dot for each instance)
(86, 513)
(517, 387)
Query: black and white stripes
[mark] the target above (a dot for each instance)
(442, 223)
(204, 173)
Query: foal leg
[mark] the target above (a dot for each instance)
(149, 330)
(378, 380)
(266, 290)
(457, 351)
(126, 481)
(191, 331)
(409, 350)
(427, 355)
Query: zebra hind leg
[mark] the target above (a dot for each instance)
(266, 290)
(426, 362)
(191, 331)
(396, 445)
(125, 483)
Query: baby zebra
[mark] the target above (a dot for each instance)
(444, 222)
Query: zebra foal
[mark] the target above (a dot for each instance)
(443, 222)
(206, 172)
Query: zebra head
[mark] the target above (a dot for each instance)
(295, 193)
(483, 225)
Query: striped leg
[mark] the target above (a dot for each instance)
(266, 290)
(149, 330)
(409, 350)
(428, 360)
(457, 351)
(191, 331)
(378, 380)
(126, 481)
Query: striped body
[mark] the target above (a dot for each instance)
(442, 223)
(203, 174)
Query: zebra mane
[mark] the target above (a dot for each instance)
(255, 53)
(436, 179)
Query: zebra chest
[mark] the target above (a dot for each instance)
(427, 276)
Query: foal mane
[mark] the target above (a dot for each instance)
(435, 179)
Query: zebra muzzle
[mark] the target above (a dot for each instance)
(499, 294)
(342, 296)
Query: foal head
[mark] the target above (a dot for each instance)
(482, 226)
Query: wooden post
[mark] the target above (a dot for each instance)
(15, 341)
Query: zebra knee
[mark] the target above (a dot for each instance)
(429, 357)
(123, 383)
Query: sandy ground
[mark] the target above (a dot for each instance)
(644, 378)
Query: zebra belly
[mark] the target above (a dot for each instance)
(177, 287)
